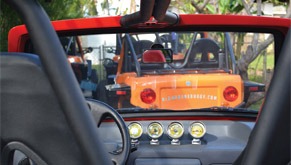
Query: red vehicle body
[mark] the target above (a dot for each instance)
(18, 35)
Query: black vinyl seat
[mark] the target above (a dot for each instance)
(31, 118)
(204, 46)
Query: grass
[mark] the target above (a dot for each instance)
(256, 68)
(255, 73)
(256, 78)
(258, 63)
(257, 105)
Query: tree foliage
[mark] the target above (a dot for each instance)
(57, 10)
(8, 19)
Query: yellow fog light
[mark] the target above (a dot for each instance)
(197, 130)
(155, 130)
(175, 130)
(135, 130)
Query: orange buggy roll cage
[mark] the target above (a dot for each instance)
(132, 57)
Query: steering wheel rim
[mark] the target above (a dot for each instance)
(100, 111)
(107, 62)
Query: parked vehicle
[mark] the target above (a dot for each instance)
(189, 70)
(85, 74)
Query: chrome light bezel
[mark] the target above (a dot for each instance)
(199, 123)
(162, 130)
(141, 127)
(171, 124)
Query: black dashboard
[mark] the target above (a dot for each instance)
(224, 140)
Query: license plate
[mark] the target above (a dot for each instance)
(87, 85)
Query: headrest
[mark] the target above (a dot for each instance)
(153, 56)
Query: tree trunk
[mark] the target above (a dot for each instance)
(257, 96)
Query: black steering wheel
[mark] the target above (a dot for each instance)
(100, 111)
(107, 62)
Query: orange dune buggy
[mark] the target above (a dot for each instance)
(201, 76)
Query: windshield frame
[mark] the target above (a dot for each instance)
(277, 31)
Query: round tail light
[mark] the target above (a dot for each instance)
(230, 93)
(148, 96)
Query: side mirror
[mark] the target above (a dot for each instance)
(157, 55)
(88, 50)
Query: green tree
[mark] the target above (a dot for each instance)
(57, 10)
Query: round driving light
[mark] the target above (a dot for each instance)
(155, 130)
(197, 130)
(175, 130)
(135, 130)
(148, 96)
(230, 93)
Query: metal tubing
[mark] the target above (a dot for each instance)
(145, 13)
(137, 65)
(231, 52)
(160, 9)
(171, 18)
(118, 39)
(62, 79)
(161, 14)
(158, 38)
(69, 45)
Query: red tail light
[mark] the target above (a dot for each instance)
(252, 89)
(148, 96)
(120, 92)
(230, 93)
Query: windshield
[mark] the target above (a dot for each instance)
(131, 71)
